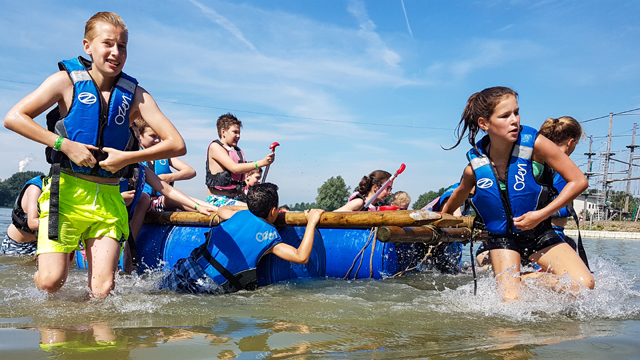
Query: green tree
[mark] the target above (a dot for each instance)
(11, 187)
(303, 206)
(426, 198)
(332, 194)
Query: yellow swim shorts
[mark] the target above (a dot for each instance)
(87, 210)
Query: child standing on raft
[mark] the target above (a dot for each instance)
(226, 166)
(512, 195)
(368, 187)
(96, 101)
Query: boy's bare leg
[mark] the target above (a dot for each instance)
(53, 269)
(102, 255)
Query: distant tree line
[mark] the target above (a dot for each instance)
(10, 187)
(334, 193)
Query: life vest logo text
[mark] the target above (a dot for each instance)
(87, 98)
(260, 237)
(522, 171)
(484, 183)
(123, 110)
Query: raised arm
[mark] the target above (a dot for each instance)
(220, 155)
(57, 88)
(303, 252)
(461, 193)
(172, 144)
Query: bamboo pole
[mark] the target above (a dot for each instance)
(355, 219)
(367, 219)
(425, 234)
(185, 218)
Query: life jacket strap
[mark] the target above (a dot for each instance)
(245, 280)
(54, 201)
(581, 251)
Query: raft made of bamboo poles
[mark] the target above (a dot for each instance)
(354, 220)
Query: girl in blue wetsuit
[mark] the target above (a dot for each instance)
(512, 196)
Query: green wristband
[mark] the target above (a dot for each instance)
(197, 206)
(255, 163)
(58, 144)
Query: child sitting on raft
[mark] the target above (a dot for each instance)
(226, 166)
(96, 102)
(227, 261)
(148, 138)
(21, 234)
(367, 189)
(512, 192)
(251, 179)
(138, 210)
(401, 200)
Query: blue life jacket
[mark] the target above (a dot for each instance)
(231, 254)
(442, 198)
(523, 192)
(159, 167)
(90, 121)
(559, 183)
(18, 215)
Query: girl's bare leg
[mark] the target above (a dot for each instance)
(561, 259)
(506, 268)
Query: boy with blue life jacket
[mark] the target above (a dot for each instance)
(228, 260)
(514, 196)
(148, 138)
(21, 234)
(367, 189)
(90, 145)
(226, 165)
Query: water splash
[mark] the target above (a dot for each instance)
(614, 297)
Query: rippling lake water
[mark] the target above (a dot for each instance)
(422, 315)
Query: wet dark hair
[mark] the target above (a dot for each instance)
(479, 105)
(561, 129)
(262, 198)
(378, 177)
(226, 121)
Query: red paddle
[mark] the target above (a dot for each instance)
(266, 171)
(400, 170)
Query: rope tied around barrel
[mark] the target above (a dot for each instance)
(437, 234)
(373, 235)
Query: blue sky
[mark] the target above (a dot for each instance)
(346, 87)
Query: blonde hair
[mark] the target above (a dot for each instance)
(400, 198)
(561, 129)
(114, 19)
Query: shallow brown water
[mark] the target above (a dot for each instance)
(423, 315)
